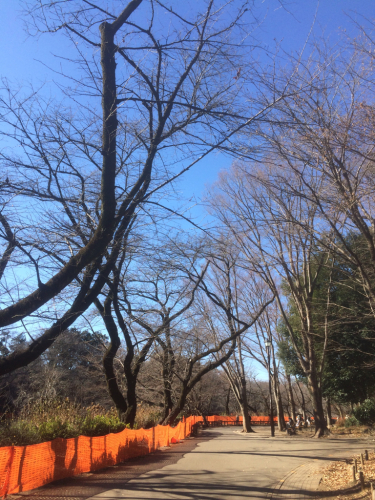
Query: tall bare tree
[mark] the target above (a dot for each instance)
(265, 220)
(166, 99)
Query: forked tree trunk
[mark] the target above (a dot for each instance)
(179, 406)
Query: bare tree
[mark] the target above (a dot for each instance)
(266, 220)
(266, 329)
(239, 299)
(166, 100)
(145, 292)
(325, 136)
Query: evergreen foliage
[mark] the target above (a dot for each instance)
(348, 375)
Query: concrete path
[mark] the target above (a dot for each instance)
(236, 466)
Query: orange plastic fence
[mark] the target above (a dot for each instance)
(262, 420)
(24, 468)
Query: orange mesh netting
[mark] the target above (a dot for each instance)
(261, 420)
(24, 468)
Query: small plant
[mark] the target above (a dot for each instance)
(99, 425)
(351, 421)
(365, 413)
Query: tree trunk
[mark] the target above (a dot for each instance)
(227, 402)
(109, 356)
(167, 374)
(277, 397)
(320, 422)
(329, 413)
(245, 408)
(179, 406)
(341, 412)
(303, 402)
(280, 411)
(291, 398)
(130, 414)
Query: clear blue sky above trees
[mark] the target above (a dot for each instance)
(25, 60)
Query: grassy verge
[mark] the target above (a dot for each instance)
(45, 420)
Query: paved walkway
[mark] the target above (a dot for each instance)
(222, 464)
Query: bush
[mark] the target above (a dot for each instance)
(365, 413)
(99, 425)
(18, 433)
(54, 428)
(351, 421)
(44, 420)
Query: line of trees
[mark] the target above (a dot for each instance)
(86, 221)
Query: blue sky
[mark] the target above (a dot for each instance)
(289, 26)
(22, 57)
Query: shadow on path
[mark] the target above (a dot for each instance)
(94, 483)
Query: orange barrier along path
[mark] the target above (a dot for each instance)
(24, 468)
(261, 420)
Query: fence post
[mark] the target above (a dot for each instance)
(362, 479)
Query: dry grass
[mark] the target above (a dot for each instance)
(47, 419)
(338, 479)
(357, 431)
(147, 416)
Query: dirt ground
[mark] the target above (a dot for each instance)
(338, 476)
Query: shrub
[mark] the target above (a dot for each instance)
(55, 428)
(99, 425)
(351, 421)
(365, 413)
(18, 433)
(44, 420)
